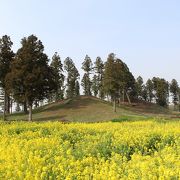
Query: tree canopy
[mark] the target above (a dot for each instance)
(30, 77)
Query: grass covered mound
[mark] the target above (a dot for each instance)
(91, 109)
(113, 150)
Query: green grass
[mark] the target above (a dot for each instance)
(91, 109)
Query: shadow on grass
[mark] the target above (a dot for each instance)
(52, 118)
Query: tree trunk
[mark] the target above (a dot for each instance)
(4, 115)
(5, 106)
(128, 98)
(114, 106)
(30, 113)
(123, 96)
(119, 102)
(11, 106)
(25, 107)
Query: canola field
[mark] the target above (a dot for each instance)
(126, 150)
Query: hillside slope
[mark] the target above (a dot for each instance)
(89, 109)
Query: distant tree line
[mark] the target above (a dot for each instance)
(28, 77)
(158, 90)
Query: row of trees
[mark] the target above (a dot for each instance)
(158, 90)
(29, 77)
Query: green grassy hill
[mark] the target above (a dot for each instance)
(91, 109)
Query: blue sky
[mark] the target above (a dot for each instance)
(145, 34)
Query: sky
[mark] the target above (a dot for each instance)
(145, 34)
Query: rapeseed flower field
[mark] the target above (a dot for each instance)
(126, 150)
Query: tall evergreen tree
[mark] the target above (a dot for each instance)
(77, 88)
(111, 78)
(86, 84)
(117, 78)
(57, 67)
(149, 87)
(174, 88)
(127, 81)
(99, 72)
(72, 77)
(139, 87)
(161, 88)
(30, 78)
(95, 85)
(86, 81)
(6, 57)
(144, 93)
